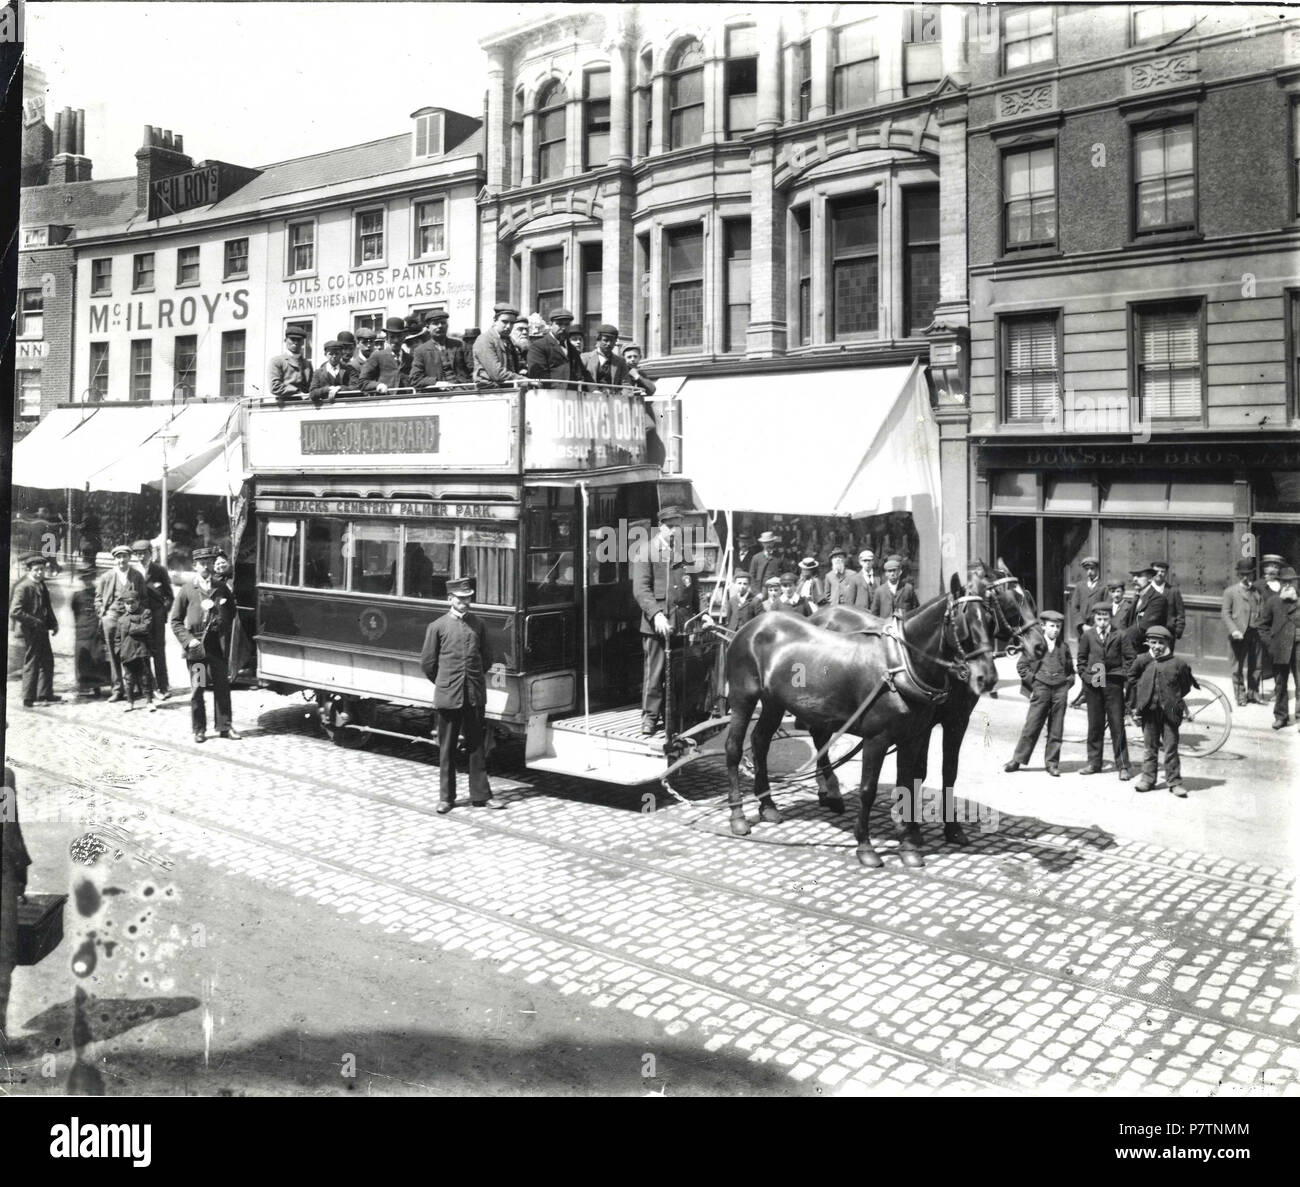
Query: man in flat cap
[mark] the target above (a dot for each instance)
(496, 357)
(31, 612)
(454, 658)
(1087, 589)
(865, 580)
(1105, 657)
(331, 377)
(382, 371)
(668, 596)
(110, 589)
(465, 354)
(436, 321)
(768, 562)
(1160, 682)
(365, 348)
(839, 586)
(289, 374)
(1047, 682)
(894, 595)
(605, 364)
(1241, 611)
(431, 364)
(771, 600)
(1151, 609)
(202, 617)
(632, 356)
(1175, 613)
(1277, 630)
(159, 595)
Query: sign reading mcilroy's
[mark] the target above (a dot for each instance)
(581, 428)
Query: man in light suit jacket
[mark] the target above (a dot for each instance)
(496, 360)
(605, 364)
(201, 619)
(865, 580)
(1241, 612)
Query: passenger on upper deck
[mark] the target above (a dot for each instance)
(552, 356)
(632, 356)
(289, 374)
(330, 378)
(519, 340)
(496, 359)
(605, 364)
(382, 371)
(347, 341)
(428, 367)
(365, 348)
(465, 355)
(449, 348)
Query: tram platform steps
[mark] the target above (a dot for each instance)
(607, 746)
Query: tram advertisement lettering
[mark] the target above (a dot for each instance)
(387, 508)
(392, 434)
(565, 425)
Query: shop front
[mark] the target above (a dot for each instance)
(1041, 508)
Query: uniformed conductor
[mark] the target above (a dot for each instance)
(668, 596)
(454, 657)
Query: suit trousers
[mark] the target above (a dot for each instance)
(1106, 711)
(652, 689)
(1281, 674)
(1046, 706)
(158, 650)
(1160, 736)
(109, 627)
(38, 663)
(138, 680)
(209, 672)
(467, 722)
(1245, 663)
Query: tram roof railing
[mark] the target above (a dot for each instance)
(356, 396)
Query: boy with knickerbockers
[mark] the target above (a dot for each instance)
(1159, 681)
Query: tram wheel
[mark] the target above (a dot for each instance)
(336, 713)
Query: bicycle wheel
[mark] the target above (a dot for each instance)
(1209, 721)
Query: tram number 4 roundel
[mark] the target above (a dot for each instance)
(373, 623)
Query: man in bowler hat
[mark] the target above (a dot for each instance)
(454, 658)
(383, 369)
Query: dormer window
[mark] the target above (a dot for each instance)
(428, 132)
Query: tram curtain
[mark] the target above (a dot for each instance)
(489, 557)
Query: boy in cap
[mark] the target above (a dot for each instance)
(111, 587)
(865, 581)
(632, 356)
(289, 374)
(1105, 657)
(893, 595)
(454, 658)
(134, 629)
(1047, 682)
(771, 595)
(1241, 612)
(331, 377)
(1160, 681)
(791, 600)
(30, 610)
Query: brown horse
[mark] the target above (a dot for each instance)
(884, 686)
(1016, 621)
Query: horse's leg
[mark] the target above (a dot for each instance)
(828, 785)
(873, 758)
(955, 723)
(769, 718)
(742, 707)
(911, 761)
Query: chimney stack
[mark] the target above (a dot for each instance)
(159, 156)
(69, 162)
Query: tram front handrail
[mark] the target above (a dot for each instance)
(356, 395)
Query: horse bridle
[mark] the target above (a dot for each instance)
(958, 669)
(1014, 633)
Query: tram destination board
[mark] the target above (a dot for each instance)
(389, 435)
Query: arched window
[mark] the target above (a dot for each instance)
(550, 131)
(686, 95)
(517, 140)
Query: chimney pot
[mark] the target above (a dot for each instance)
(180, 142)
(144, 143)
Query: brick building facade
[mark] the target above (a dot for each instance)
(1133, 268)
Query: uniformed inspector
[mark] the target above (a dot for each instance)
(454, 657)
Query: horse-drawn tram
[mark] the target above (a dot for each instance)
(365, 508)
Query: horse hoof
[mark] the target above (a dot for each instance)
(868, 857)
(954, 834)
(912, 859)
(739, 826)
(832, 803)
(771, 815)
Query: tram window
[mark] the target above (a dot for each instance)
(488, 555)
(280, 552)
(429, 552)
(374, 557)
(550, 576)
(326, 539)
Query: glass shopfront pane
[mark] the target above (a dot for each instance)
(1201, 498)
(1277, 490)
(429, 557)
(1069, 494)
(1012, 489)
(325, 560)
(1139, 495)
(374, 557)
(488, 555)
(1130, 544)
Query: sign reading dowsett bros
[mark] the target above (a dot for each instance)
(393, 434)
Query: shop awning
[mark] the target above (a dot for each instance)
(137, 459)
(51, 451)
(847, 441)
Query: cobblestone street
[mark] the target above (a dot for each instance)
(1056, 953)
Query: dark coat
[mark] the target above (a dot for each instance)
(663, 586)
(1115, 655)
(864, 590)
(548, 358)
(885, 601)
(381, 367)
(618, 367)
(739, 613)
(1242, 608)
(454, 658)
(14, 860)
(158, 583)
(841, 591)
(1175, 612)
(762, 567)
(428, 366)
(209, 626)
(1082, 598)
(1161, 684)
(1277, 627)
(30, 606)
(133, 632)
(1152, 609)
(322, 380)
(113, 584)
(1053, 670)
(801, 606)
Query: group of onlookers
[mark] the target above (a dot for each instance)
(417, 352)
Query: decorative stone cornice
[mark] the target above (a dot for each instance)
(915, 134)
(1018, 102)
(1172, 70)
(516, 213)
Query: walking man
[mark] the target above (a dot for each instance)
(30, 608)
(1242, 608)
(1047, 681)
(110, 589)
(1105, 656)
(158, 591)
(454, 658)
(201, 619)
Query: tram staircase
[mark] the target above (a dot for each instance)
(607, 746)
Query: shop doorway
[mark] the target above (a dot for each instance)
(1015, 544)
(1065, 543)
